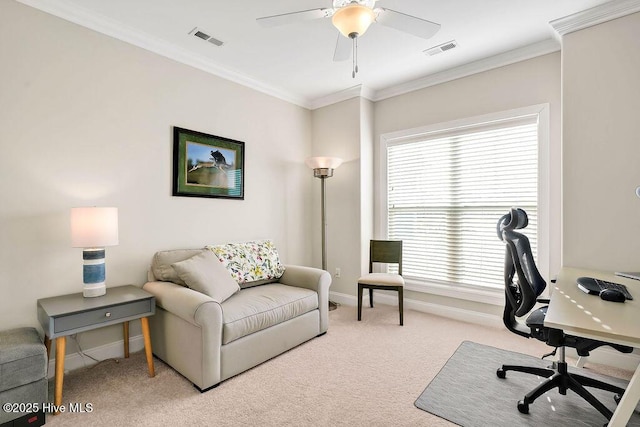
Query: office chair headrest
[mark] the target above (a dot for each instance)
(515, 219)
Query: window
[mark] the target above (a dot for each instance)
(446, 187)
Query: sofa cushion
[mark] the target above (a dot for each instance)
(162, 260)
(206, 274)
(260, 307)
(250, 263)
(23, 358)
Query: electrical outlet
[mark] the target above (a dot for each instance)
(337, 272)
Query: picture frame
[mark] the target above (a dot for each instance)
(207, 165)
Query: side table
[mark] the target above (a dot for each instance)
(69, 314)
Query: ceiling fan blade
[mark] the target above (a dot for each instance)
(343, 49)
(407, 23)
(293, 17)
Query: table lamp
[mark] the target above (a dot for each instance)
(93, 229)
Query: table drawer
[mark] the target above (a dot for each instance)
(101, 315)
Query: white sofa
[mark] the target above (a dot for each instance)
(210, 338)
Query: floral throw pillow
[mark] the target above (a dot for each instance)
(250, 263)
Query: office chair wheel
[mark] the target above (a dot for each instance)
(501, 373)
(523, 407)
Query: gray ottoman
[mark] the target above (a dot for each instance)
(23, 377)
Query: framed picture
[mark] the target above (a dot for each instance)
(207, 165)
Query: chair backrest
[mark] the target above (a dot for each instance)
(520, 294)
(385, 251)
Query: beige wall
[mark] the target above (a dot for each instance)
(352, 129)
(367, 179)
(526, 83)
(336, 132)
(86, 120)
(601, 145)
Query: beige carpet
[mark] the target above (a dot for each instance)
(365, 373)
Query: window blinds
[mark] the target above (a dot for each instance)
(446, 192)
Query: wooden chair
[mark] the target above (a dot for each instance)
(388, 252)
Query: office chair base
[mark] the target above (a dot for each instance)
(541, 372)
(523, 408)
(563, 381)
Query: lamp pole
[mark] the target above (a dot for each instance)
(323, 168)
(323, 204)
(323, 173)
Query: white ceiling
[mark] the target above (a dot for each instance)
(295, 62)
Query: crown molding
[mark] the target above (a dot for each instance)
(102, 24)
(506, 58)
(342, 95)
(594, 16)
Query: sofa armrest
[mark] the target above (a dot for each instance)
(315, 279)
(188, 335)
(189, 305)
(306, 277)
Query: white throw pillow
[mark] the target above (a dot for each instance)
(206, 274)
(161, 264)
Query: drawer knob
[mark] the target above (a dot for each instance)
(108, 314)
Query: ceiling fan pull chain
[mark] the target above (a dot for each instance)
(356, 42)
(355, 57)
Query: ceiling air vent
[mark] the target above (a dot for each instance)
(204, 36)
(441, 48)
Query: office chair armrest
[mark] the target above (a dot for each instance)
(545, 300)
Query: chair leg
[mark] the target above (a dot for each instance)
(541, 372)
(590, 398)
(371, 297)
(400, 304)
(591, 382)
(555, 381)
(359, 302)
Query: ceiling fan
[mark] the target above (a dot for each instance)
(352, 18)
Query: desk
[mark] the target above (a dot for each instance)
(581, 314)
(69, 314)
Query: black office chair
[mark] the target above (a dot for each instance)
(521, 295)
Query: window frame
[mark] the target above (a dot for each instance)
(493, 296)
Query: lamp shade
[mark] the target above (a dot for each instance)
(353, 20)
(323, 162)
(93, 227)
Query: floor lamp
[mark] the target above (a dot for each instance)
(323, 168)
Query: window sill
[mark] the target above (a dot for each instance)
(485, 296)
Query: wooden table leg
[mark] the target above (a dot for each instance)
(125, 334)
(47, 344)
(61, 344)
(147, 345)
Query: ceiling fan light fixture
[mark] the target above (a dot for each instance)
(353, 20)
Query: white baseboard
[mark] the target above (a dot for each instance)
(603, 355)
(425, 307)
(114, 350)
